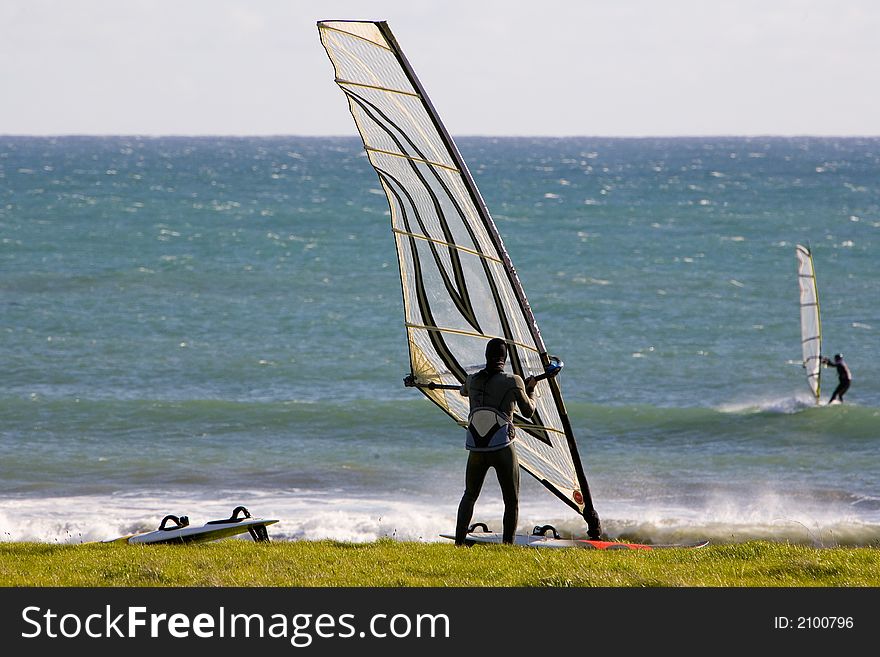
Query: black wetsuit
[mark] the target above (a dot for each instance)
(502, 392)
(844, 376)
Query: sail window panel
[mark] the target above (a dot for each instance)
(424, 303)
(376, 135)
(547, 417)
(460, 221)
(478, 237)
(364, 30)
(432, 359)
(557, 481)
(381, 114)
(410, 211)
(422, 208)
(461, 215)
(454, 294)
(507, 299)
(449, 290)
(555, 456)
(485, 304)
(378, 87)
(469, 350)
(456, 405)
(554, 470)
(362, 62)
(440, 207)
(469, 293)
(429, 366)
(460, 296)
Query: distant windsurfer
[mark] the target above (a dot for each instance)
(494, 395)
(843, 374)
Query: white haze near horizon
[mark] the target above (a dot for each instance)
(514, 67)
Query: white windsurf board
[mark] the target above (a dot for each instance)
(542, 541)
(182, 532)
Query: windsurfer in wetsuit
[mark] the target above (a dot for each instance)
(494, 395)
(843, 374)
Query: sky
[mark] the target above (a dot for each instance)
(491, 67)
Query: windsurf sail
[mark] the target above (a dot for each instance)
(460, 288)
(811, 325)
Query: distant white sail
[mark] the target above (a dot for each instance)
(811, 325)
(459, 286)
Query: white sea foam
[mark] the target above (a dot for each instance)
(300, 516)
(720, 517)
(793, 404)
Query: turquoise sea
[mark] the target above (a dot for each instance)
(191, 324)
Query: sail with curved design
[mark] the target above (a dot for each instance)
(459, 286)
(811, 325)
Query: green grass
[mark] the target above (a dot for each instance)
(387, 563)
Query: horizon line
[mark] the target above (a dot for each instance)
(150, 135)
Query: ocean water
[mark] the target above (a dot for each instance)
(190, 324)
